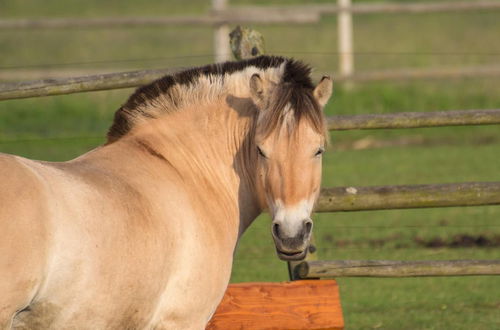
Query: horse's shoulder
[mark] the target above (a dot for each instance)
(12, 170)
(20, 184)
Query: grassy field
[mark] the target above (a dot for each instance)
(62, 127)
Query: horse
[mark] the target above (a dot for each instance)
(140, 232)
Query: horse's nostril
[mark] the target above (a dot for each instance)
(276, 230)
(309, 225)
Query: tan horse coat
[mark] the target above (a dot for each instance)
(139, 233)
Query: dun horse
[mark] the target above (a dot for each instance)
(140, 232)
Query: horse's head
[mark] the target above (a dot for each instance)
(290, 139)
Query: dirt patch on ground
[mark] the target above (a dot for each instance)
(397, 241)
(372, 243)
(460, 241)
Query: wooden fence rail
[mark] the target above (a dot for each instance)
(414, 119)
(392, 268)
(47, 87)
(408, 196)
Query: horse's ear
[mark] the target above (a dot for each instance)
(323, 90)
(257, 89)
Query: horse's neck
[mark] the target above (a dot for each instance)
(209, 148)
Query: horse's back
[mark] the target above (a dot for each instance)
(23, 243)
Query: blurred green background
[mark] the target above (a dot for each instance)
(62, 127)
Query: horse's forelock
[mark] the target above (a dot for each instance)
(290, 105)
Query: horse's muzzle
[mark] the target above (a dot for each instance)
(292, 248)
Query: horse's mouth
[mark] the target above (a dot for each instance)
(290, 256)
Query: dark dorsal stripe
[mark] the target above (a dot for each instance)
(296, 77)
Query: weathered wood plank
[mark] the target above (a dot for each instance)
(392, 268)
(46, 87)
(19, 74)
(414, 119)
(290, 305)
(408, 196)
(345, 40)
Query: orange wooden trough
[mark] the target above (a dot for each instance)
(312, 304)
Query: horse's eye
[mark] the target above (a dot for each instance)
(319, 152)
(261, 153)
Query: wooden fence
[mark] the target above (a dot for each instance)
(342, 198)
(221, 15)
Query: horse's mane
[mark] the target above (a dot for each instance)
(172, 92)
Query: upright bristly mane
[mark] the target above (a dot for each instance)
(174, 92)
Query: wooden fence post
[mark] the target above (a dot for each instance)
(346, 56)
(221, 34)
(246, 43)
(294, 266)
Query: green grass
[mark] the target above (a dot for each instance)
(63, 127)
(91, 8)
(381, 41)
